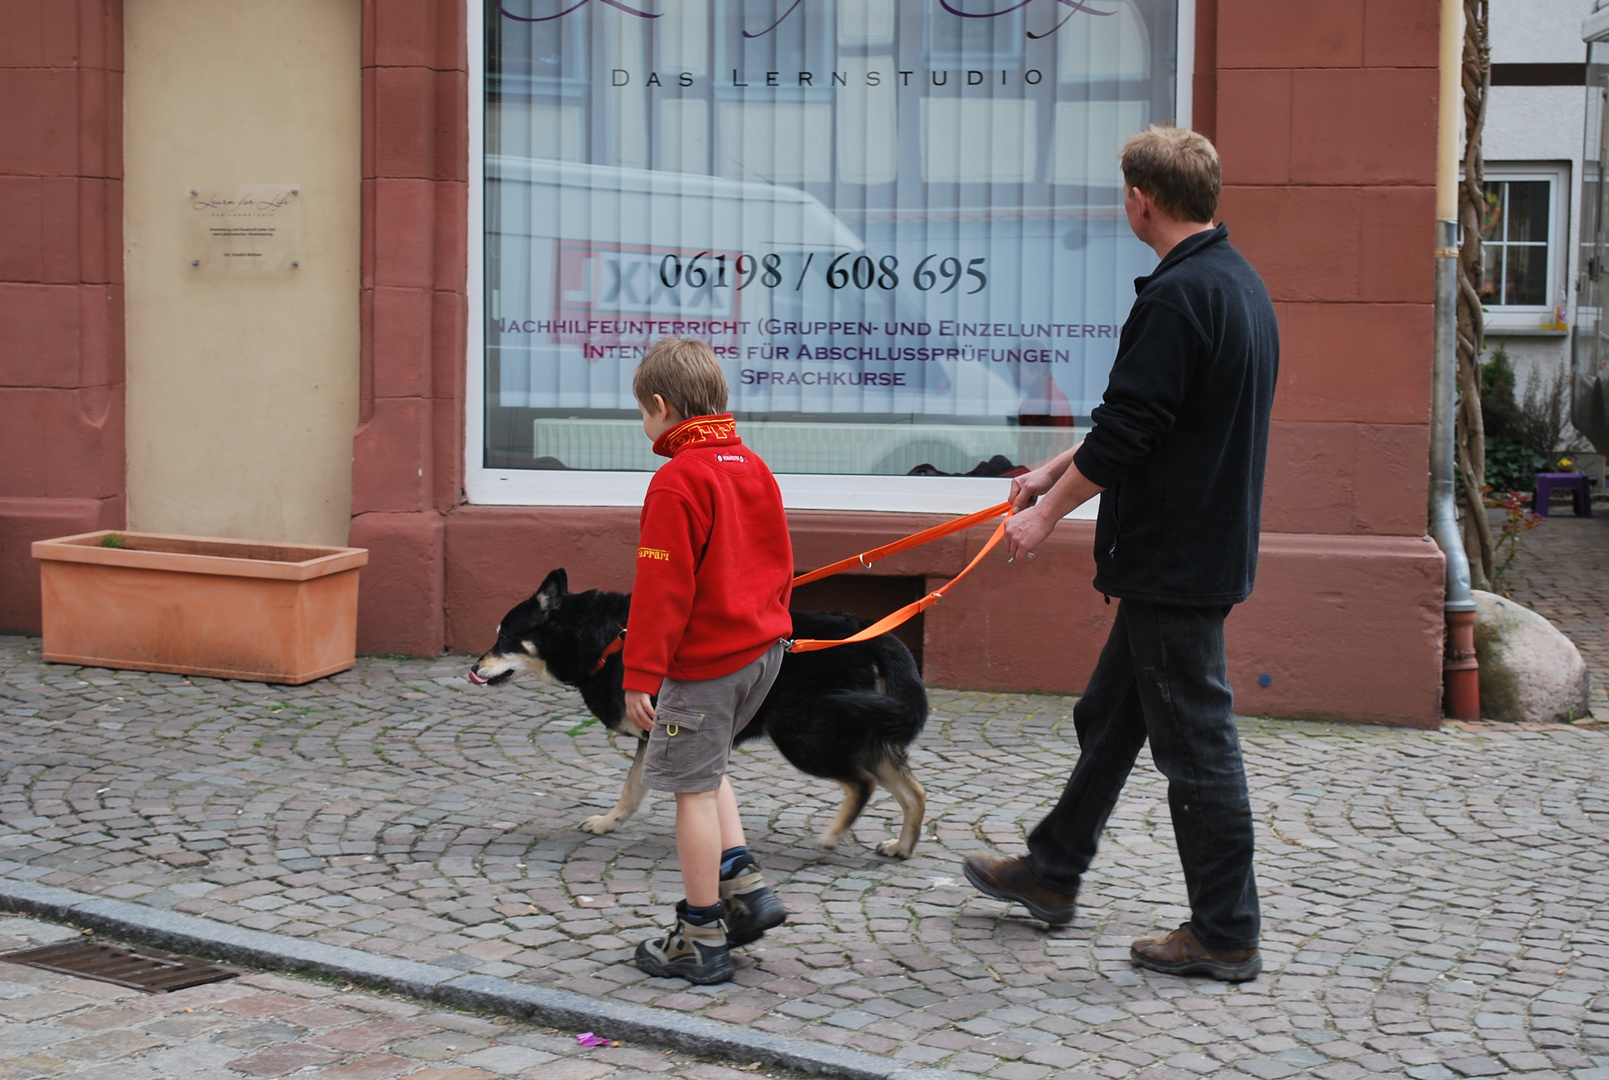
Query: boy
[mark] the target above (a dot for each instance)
(709, 611)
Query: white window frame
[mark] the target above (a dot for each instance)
(1529, 320)
(542, 487)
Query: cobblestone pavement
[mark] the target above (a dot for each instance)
(1561, 570)
(1436, 903)
(267, 1026)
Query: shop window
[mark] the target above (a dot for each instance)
(1523, 248)
(899, 224)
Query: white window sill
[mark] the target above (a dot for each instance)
(1501, 331)
(896, 494)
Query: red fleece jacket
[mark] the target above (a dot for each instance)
(714, 565)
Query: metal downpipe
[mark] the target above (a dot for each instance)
(1460, 672)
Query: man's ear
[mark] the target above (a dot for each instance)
(553, 590)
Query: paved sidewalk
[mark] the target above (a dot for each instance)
(268, 1026)
(1562, 571)
(1436, 904)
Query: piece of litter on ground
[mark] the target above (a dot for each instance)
(587, 1038)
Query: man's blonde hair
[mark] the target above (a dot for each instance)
(1177, 168)
(685, 373)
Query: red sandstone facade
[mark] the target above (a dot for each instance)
(1325, 118)
(61, 278)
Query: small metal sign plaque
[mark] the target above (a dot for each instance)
(251, 228)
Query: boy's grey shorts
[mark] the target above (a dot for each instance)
(697, 721)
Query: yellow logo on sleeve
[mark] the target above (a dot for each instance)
(653, 553)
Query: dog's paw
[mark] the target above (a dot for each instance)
(894, 849)
(829, 841)
(599, 824)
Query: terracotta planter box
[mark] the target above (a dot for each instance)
(194, 605)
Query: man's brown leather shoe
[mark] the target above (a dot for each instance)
(1008, 879)
(1181, 953)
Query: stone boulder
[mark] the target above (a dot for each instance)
(1529, 671)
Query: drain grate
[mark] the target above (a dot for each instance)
(155, 973)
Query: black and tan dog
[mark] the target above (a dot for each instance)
(847, 713)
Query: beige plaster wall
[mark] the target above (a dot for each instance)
(242, 388)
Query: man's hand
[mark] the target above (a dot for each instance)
(1026, 489)
(1027, 529)
(640, 710)
(1068, 490)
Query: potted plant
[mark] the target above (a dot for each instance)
(192, 605)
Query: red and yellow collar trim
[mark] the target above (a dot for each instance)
(699, 431)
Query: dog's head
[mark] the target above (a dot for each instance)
(523, 637)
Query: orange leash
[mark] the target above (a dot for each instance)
(866, 558)
(909, 611)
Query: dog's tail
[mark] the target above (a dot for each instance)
(897, 715)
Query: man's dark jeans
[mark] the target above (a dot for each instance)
(1162, 674)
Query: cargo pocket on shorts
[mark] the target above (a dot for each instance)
(683, 742)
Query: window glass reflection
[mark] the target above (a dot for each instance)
(1515, 243)
(900, 224)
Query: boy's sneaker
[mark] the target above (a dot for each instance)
(699, 954)
(751, 908)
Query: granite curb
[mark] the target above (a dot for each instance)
(556, 1008)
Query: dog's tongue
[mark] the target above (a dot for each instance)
(474, 677)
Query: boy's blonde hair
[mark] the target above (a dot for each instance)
(1177, 168)
(685, 373)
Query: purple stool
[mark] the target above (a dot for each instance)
(1574, 483)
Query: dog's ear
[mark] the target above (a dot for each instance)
(553, 590)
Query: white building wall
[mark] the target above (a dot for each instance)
(242, 385)
(1538, 31)
(1541, 125)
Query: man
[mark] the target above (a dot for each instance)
(1176, 454)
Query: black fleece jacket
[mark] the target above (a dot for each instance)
(1181, 435)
